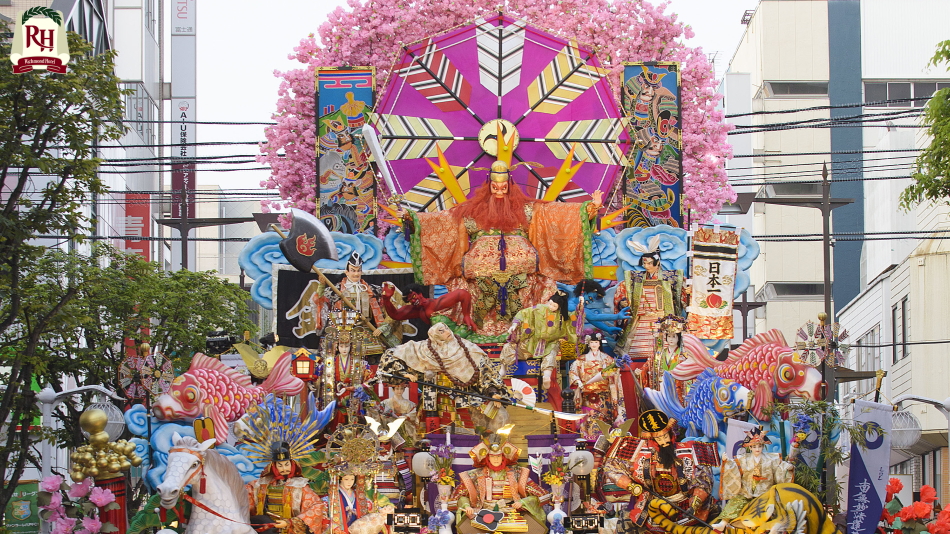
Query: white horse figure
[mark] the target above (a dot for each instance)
(224, 492)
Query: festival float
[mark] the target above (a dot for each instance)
(503, 304)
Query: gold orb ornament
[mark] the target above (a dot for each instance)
(77, 476)
(98, 439)
(93, 421)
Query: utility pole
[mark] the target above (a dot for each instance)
(826, 237)
(185, 223)
(826, 205)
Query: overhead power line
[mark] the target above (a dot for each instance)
(889, 115)
(830, 152)
(836, 106)
(223, 123)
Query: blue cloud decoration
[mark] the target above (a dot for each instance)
(608, 247)
(262, 252)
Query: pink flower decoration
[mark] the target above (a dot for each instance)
(101, 497)
(64, 525)
(55, 501)
(51, 483)
(91, 524)
(80, 489)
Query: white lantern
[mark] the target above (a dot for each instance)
(423, 464)
(905, 430)
(581, 460)
(116, 425)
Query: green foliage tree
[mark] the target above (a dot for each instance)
(118, 298)
(49, 126)
(932, 168)
(64, 317)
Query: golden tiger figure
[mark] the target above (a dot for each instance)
(785, 508)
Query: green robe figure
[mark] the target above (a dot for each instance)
(536, 334)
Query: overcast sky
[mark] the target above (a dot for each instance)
(241, 43)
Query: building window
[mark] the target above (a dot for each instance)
(808, 291)
(905, 326)
(900, 319)
(895, 348)
(938, 473)
(796, 88)
(150, 16)
(868, 356)
(881, 91)
(904, 468)
(140, 112)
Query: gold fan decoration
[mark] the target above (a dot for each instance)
(273, 422)
(258, 364)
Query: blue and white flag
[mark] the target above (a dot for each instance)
(869, 466)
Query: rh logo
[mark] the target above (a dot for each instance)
(39, 41)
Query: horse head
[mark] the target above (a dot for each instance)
(184, 464)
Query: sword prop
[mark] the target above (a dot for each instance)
(560, 415)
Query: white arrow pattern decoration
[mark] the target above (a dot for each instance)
(500, 50)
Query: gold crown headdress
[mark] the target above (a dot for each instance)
(501, 171)
(755, 437)
(671, 323)
(352, 449)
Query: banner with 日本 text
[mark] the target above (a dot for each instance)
(714, 278)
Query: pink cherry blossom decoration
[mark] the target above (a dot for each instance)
(64, 525)
(91, 525)
(80, 489)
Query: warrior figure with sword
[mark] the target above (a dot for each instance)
(656, 466)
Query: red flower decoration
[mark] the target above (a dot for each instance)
(939, 527)
(887, 517)
(928, 494)
(922, 510)
(894, 486)
(907, 514)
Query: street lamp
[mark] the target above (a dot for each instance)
(943, 406)
(48, 400)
